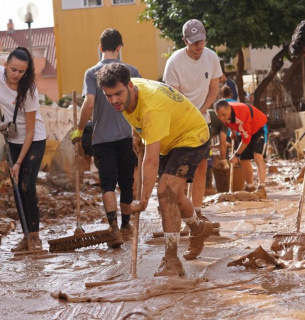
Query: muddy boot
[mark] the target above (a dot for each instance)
(249, 189)
(261, 192)
(35, 241)
(170, 267)
(216, 225)
(116, 236)
(127, 232)
(197, 240)
(21, 246)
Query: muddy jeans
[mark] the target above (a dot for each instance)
(27, 181)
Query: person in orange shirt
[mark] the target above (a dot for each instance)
(251, 124)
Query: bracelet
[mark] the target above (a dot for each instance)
(18, 163)
(236, 154)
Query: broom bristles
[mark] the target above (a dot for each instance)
(289, 238)
(80, 241)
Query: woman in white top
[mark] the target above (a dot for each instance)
(17, 87)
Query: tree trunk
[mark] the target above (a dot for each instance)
(296, 63)
(239, 75)
(277, 63)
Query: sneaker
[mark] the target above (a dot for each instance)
(127, 232)
(117, 239)
(21, 246)
(249, 189)
(35, 241)
(170, 267)
(201, 217)
(197, 241)
(261, 192)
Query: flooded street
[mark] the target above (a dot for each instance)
(65, 285)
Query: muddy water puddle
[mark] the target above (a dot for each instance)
(55, 287)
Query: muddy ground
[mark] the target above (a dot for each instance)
(53, 287)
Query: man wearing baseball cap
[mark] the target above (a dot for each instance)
(194, 71)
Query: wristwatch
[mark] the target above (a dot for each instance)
(236, 154)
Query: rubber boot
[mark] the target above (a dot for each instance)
(35, 241)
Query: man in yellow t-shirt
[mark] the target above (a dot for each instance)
(175, 139)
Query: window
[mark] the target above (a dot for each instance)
(77, 4)
(92, 3)
(122, 1)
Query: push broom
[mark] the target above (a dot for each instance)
(291, 239)
(80, 238)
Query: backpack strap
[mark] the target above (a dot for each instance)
(15, 112)
(251, 110)
(14, 116)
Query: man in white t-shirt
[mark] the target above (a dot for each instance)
(195, 70)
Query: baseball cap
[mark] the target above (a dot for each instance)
(193, 30)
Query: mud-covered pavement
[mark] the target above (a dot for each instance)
(54, 287)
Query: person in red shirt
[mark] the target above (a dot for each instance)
(251, 124)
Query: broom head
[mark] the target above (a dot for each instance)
(80, 240)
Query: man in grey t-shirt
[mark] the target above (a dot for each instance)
(111, 140)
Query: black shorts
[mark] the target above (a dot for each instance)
(256, 145)
(182, 162)
(115, 162)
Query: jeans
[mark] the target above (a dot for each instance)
(27, 181)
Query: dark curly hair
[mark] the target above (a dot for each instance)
(297, 45)
(28, 82)
(112, 73)
(226, 92)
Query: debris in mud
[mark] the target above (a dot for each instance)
(236, 196)
(292, 249)
(135, 290)
(57, 203)
(259, 258)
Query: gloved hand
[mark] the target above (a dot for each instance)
(76, 135)
(224, 164)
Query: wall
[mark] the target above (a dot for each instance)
(77, 33)
(45, 85)
(58, 122)
(261, 59)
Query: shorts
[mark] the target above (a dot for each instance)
(115, 162)
(183, 162)
(256, 145)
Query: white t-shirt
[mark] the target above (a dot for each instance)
(193, 77)
(7, 105)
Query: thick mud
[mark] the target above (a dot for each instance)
(93, 282)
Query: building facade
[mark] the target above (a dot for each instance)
(43, 44)
(78, 25)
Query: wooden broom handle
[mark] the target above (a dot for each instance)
(300, 209)
(76, 161)
(232, 167)
(133, 268)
